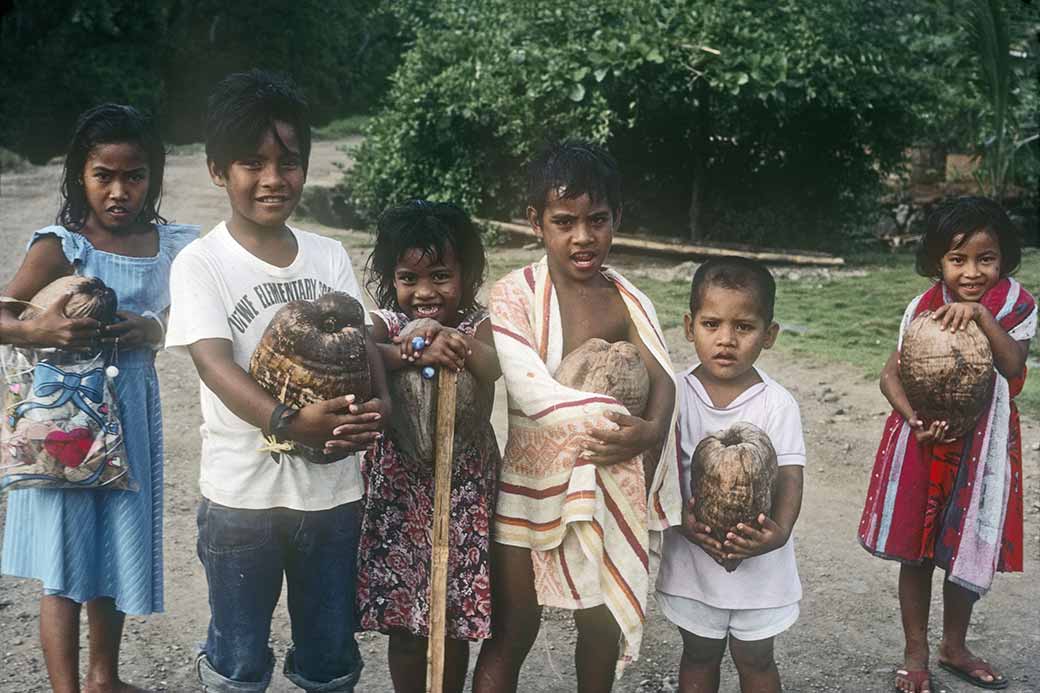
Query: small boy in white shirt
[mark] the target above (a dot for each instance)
(730, 322)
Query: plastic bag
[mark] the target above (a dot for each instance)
(61, 427)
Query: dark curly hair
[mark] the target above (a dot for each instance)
(579, 168)
(433, 228)
(967, 215)
(244, 106)
(110, 123)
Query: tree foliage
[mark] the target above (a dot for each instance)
(742, 120)
(764, 122)
(63, 56)
(340, 53)
(1007, 66)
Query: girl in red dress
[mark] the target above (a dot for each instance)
(955, 503)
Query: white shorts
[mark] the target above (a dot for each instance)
(714, 623)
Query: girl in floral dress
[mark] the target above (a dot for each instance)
(425, 271)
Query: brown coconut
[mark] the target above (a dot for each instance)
(731, 478)
(314, 351)
(91, 298)
(947, 376)
(414, 422)
(616, 370)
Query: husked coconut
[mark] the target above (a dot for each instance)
(314, 351)
(414, 422)
(731, 478)
(91, 298)
(616, 370)
(947, 375)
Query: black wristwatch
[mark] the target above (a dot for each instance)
(281, 419)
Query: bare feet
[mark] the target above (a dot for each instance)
(960, 662)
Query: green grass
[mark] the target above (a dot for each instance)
(342, 127)
(849, 319)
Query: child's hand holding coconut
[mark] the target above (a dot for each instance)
(428, 343)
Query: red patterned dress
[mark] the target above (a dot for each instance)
(394, 553)
(958, 504)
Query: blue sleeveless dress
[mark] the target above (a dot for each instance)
(84, 544)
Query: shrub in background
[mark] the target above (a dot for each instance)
(765, 122)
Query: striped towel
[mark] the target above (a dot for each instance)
(980, 530)
(591, 529)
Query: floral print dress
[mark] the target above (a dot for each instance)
(394, 553)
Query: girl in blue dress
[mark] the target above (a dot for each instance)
(101, 548)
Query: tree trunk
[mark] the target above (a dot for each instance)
(700, 135)
(697, 232)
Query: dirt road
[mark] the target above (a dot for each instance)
(848, 637)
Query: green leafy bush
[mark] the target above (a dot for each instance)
(786, 112)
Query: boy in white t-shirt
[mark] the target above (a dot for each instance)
(262, 519)
(755, 596)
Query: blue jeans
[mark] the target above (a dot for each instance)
(245, 553)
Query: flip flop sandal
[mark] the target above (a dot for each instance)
(999, 681)
(917, 678)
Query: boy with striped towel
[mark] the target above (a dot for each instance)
(586, 488)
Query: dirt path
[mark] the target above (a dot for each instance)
(848, 637)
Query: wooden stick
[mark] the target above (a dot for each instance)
(687, 251)
(445, 437)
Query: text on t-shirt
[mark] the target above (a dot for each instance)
(272, 293)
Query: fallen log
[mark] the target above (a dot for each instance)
(686, 251)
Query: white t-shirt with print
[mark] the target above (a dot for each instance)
(765, 581)
(220, 290)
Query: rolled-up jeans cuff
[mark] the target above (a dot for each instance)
(341, 684)
(214, 682)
